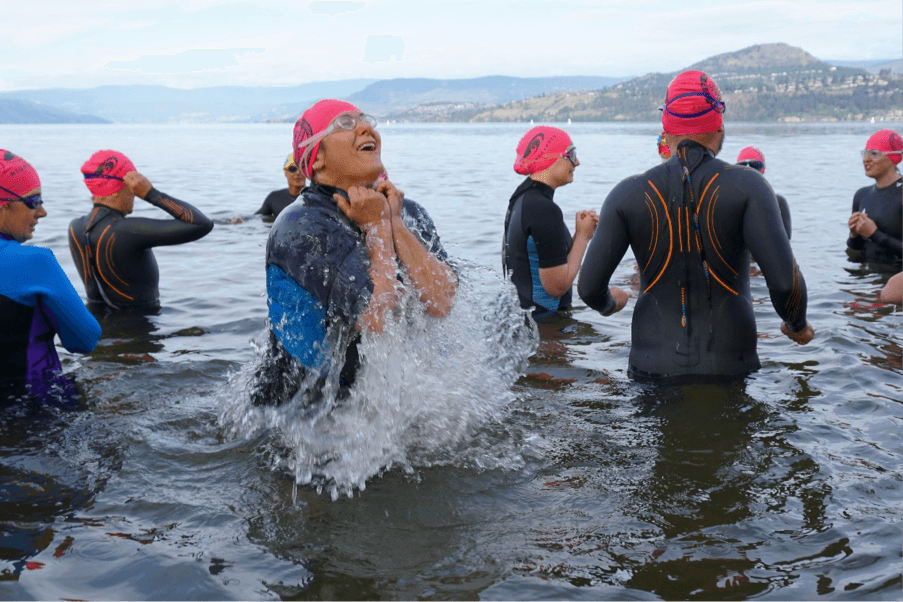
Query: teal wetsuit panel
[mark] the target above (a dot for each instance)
(298, 319)
(540, 296)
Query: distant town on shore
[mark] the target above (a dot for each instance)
(763, 83)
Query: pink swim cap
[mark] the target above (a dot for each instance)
(693, 105)
(17, 176)
(888, 142)
(314, 121)
(751, 153)
(104, 172)
(539, 149)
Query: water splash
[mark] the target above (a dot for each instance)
(429, 392)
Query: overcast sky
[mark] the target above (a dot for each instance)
(198, 43)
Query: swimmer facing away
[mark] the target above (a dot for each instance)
(691, 223)
(37, 301)
(114, 253)
(337, 257)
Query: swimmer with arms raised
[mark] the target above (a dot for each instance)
(691, 223)
(37, 301)
(113, 253)
(336, 257)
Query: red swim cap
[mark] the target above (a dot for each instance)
(888, 142)
(539, 149)
(693, 105)
(104, 172)
(313, 122)
(17, 176)
(751, 153)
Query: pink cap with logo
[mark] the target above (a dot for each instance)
(308, 129)
(693, 105)
(17, 177)
(539, 149)
(888, 142)
(104, 172)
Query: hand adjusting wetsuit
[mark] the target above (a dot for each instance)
(317, 277)
(37, 301)
(694, 314)
(113, 253)
(885, 207)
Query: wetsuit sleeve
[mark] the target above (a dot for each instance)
(419, 221)
(78, 329)
(546, 226)
(785, 215)
(267, 207)
(785, 282)
(605, 251)
(189, 224)
(887, 241)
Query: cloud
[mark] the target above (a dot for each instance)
(195, 59)
(382, 49)
(335, 7)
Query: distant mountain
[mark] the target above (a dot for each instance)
(890, 66)
(159, 104)
(25, 111)
(766, 82)
(398, 94)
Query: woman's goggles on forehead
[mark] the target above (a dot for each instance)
(347, 121)
(872, 154)
(32, 202)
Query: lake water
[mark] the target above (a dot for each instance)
(568, 481)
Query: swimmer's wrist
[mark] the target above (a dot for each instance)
(796, 330)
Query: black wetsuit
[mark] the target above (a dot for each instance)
(113, 253)
(275, 202)
(535, 237)
(785, 214)
(885, 207)
(694, 315)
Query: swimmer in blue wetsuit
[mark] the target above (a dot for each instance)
(691, 223)
(114, 254)
(538, 253)
(877, 219)
(37, 301)
(336, 256)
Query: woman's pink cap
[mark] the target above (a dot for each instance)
(314, 120)
(888, 142)
(16, 175)
(751, 153)
(539, 149)
(693, 105)
(104, 172)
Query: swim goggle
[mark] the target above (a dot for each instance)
(571, 155)
(103, 176)
(714, 105)
(757, 165)
(345, 121)
(32, 202)
(872, 154)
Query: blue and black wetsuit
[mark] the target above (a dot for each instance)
(694, 315)
(275, 203)
(885, 207)
(318, 278)
(37, 302)
(113, 254)
(535, 237)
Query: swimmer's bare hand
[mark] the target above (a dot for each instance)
(620, 296)
(865, 226)
(802, 337)
(394, 196)
(137, 183)
(364, 206)
(585, 224)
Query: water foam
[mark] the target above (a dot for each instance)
(429, 392)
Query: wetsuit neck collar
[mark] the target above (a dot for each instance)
(5, 236)
(541, 187)
(325, 190)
